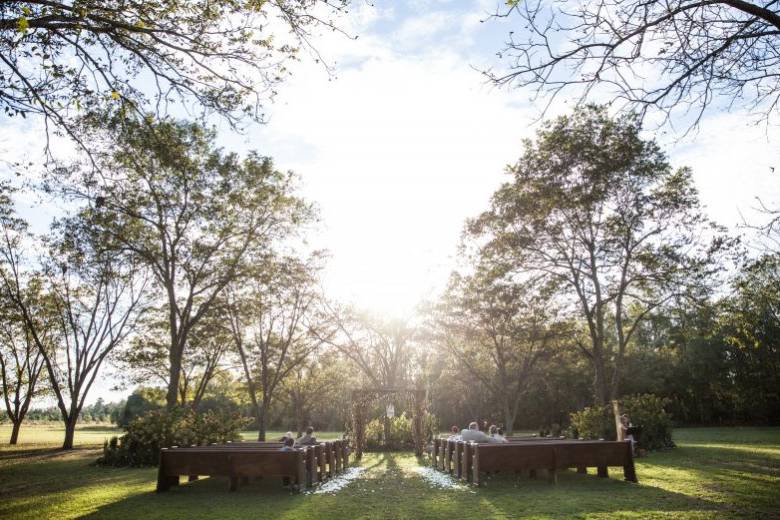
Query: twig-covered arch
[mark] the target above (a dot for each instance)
(361, 400)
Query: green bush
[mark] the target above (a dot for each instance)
(400, 436)
(140, 446)
(594, 422)
(646, 411)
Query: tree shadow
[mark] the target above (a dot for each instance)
(387, 491)
(29, 454)
(210, 498)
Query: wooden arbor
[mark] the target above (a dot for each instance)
(363, 398)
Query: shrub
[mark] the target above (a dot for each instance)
(645, 410)
(648, 412)
(140, 446)
(400, 435)
(594, 422)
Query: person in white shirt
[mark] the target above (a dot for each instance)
(473, 434)
(308, 438)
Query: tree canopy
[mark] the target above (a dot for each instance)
(680, 57)
(223, 56)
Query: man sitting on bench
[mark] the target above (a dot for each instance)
(307, 439)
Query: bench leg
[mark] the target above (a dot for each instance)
(629, 472)
(532, 473)
(233, 483)
(603, 472)
(552, 476)
(582, 469)
(163, 481)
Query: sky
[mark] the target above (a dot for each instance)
(405, 140)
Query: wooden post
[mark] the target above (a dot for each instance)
(162, 478)
(603, 472)
(475, 465)
(629, 472)
(458, 457)
(301, 464)
(447, 456)
(466, 458)
(322, 460)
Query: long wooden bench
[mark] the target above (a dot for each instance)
(332, 455)
(313, 457)
(236, 463)
(447, 452)
(549, 454)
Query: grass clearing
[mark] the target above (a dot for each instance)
(50, 435)
(714, 473)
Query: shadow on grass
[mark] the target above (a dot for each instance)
(101, 428)
(388, 489)
(29, 453)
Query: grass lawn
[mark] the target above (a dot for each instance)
(50, 435)
(714, 473)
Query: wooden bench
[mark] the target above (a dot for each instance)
(550, 454)
(332, 456)
(314, 458)
(238, 463)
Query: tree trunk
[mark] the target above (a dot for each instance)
(172, 397)
(261, 425)
(70, 431)
(509, 419)
(600, 390)
(386, 430)
(15, 432)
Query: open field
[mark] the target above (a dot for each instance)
(50, 435)
(714, 473)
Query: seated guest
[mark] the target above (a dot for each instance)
(628, 431)
(307, 439)
(288, 435)
(495, 436)
(473, 434)
(453, 432)
(289, 445)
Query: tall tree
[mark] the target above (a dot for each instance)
(498, 330)
(751, 324)
(275, 324)
(189, 212)
(310, 387)
(676, 56)
(21, 363)
(224, 56)
(598, 213)
(94, 295)
(147, 360)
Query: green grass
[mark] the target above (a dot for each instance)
(714, 473)
(50, 435)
